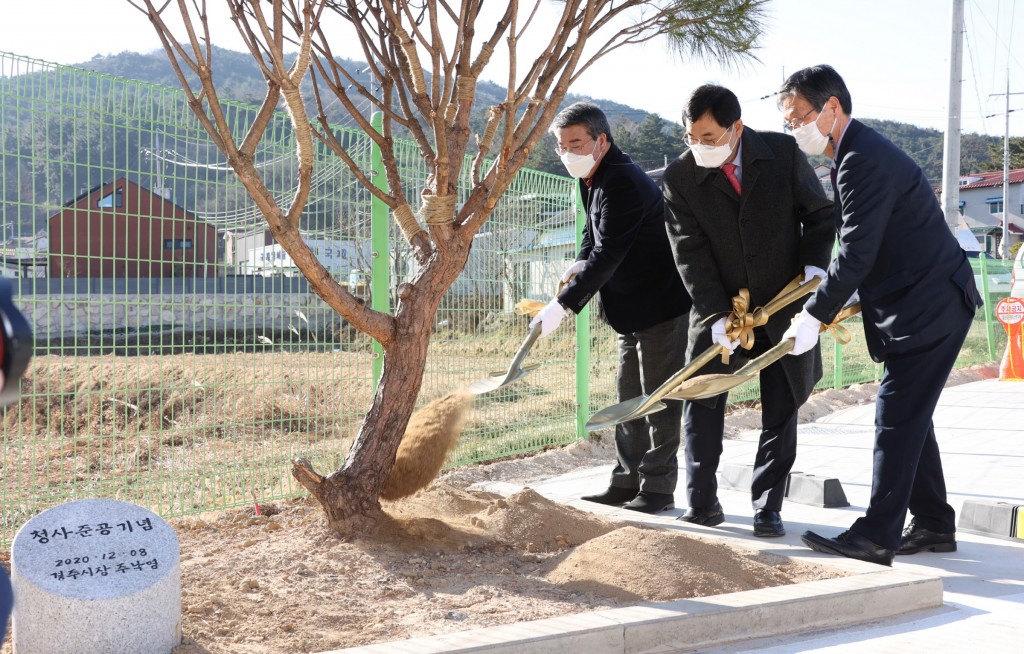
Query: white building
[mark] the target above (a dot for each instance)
(981, 204)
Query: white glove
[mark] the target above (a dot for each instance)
(804, 332)
(855, 298)
(549, 317)
(719, 336)
(572, 270)
(810, 272)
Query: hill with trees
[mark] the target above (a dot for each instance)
(651, 140)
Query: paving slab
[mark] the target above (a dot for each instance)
(869, 593)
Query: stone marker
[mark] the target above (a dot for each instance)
(96, 576)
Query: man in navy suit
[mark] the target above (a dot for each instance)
(625, 257)
(918, 299)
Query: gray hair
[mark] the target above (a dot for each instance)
(586, 114)
(817, 84)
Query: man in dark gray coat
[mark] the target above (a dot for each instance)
(625, 257)
(744, 210)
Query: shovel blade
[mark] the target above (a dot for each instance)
(500, 378)
(638, 407)
(699, 389)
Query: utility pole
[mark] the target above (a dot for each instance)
(1005, 244)
(951, 144)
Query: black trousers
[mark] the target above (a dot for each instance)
(907, 467)
(703, 427)
(646, 448)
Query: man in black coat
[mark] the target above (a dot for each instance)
(918, 299)
(626, 258)
(744, 211)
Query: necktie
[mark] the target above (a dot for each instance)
(730, 174)
(833, 174)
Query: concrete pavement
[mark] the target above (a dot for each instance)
(980, 428)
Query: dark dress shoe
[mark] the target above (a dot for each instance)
(648, 502)
(768, 524)
(851, 545)
(708, 516)
(614, 496)
(917, 538)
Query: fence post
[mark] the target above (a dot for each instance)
(582, 336)
(837, 364)
(380, 264)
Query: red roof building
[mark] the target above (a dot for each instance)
(121, 229)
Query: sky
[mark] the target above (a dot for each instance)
(893, 54)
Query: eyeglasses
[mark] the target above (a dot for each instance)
(799, 122)
(575, 149)
(691, 140)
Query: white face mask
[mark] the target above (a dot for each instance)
(579, 165)
(810, 139)
(712, 156)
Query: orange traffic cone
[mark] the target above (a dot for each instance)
(1010, 312)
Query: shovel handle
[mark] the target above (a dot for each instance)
(785, 347)
(754, 366)
(524, 349)
(796, 290)
(793, 291)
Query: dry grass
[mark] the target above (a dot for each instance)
(184, 433)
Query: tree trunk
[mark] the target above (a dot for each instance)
(351, 496)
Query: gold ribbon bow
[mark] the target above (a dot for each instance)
(840, 332)
(740, 324)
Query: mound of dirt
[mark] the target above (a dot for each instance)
(634, 563)
(534, 523)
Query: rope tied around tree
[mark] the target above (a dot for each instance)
(304, 149)
(467, 88)
(412, 59)
(493, 118)
(438, 209)
(407, 222)
(486, 50)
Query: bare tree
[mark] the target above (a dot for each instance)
(427, 56)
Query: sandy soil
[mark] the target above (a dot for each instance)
(451, 558)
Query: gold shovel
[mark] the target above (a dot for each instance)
(706, 386)
(516, 370)
(638, 407)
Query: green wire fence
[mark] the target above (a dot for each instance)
(182, 363)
